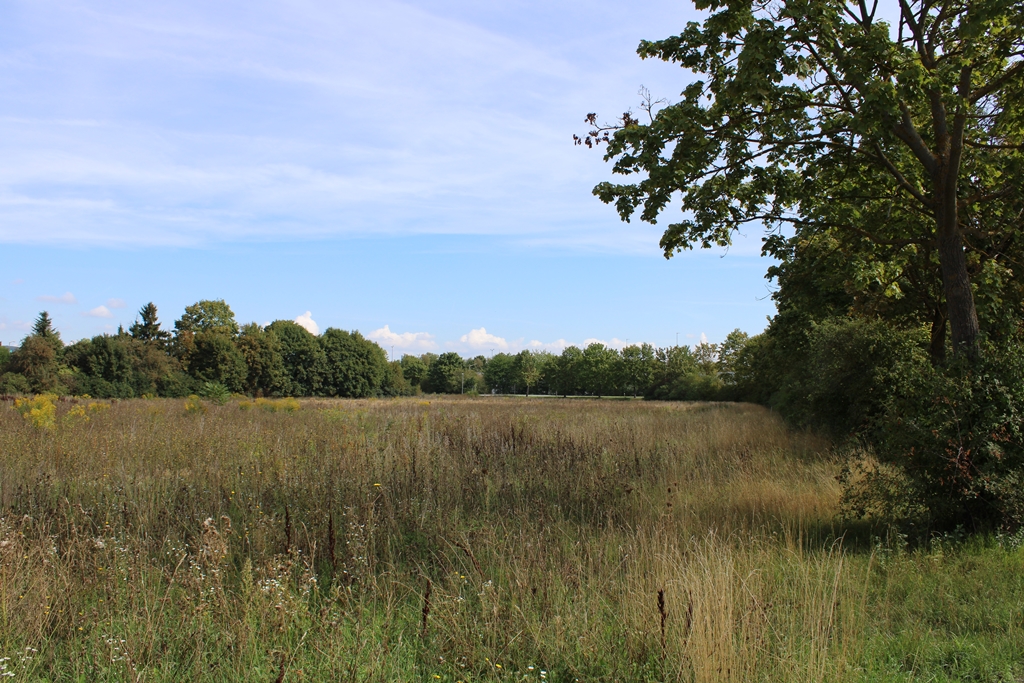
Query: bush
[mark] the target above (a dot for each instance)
(850, 370)
(957, 433)
(215, 393)
(41, 410)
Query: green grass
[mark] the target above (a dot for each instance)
(469, 540)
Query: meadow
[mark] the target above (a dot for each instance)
(476, 539)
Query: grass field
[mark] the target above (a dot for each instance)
(469, 540)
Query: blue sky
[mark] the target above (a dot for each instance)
(404, 169)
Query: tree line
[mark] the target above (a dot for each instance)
(209, 352)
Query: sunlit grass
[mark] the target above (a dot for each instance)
(466, 540)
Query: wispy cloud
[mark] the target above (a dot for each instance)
(116, 303)
(488, 150)
(419, 341)
(99, 312)
(65, 298)
(306, 320)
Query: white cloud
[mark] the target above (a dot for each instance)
(481, 338)
(306, 320)
(703, 338)
(116, 303)
(65, 298)
(99, 312)
(615, 343)
(556, 346)
(404, 340)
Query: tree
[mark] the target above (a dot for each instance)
(303, 357)
(500, 374)
(105, 367)
(216, 359)
(565, 372)
(414, 371)
(815, 114)
(37, 360)
(44, 330)
(355, 367)
(146, 327)
(262, 351)
(445, 374)
(599, 370)
(637, 368)
(527, 370)
(207, 316)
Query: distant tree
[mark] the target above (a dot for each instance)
(146, 327)
(217, 359)
(104, 367)
(527, 370)
(355, 367)
(637, 368)
(43, 329)
(37, 360)
(414, 370)
(707, 358)
(395, 383)
(729, 352)
(500, 373)
(566, 371)
(262, 350)
(446, 374)
(208, 316)
(600, 370)
(303, 356)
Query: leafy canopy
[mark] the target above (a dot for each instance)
(820, 115)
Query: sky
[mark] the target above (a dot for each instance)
(405, 169)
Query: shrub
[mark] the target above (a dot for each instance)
(215, 392)
(194, 405)
(41, 410)
(273, 405)
(957, 433)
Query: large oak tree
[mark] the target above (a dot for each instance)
(904, 134)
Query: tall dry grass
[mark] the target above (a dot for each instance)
(445, 540)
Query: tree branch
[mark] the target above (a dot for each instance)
(997, 82)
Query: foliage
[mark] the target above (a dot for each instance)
(354, 367)
(957, 434)
(817, 115)
(500, 373)
(146, 327)
(40, 410)
(194, 405)
(446, 374)
(414, 370)
(215, 393)
(37, 360)
(207, 316)
(215, 358)
(637, 368)
(303, 356)
(527, 369)
(264, 358)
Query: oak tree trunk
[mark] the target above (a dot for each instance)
(956, 282)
